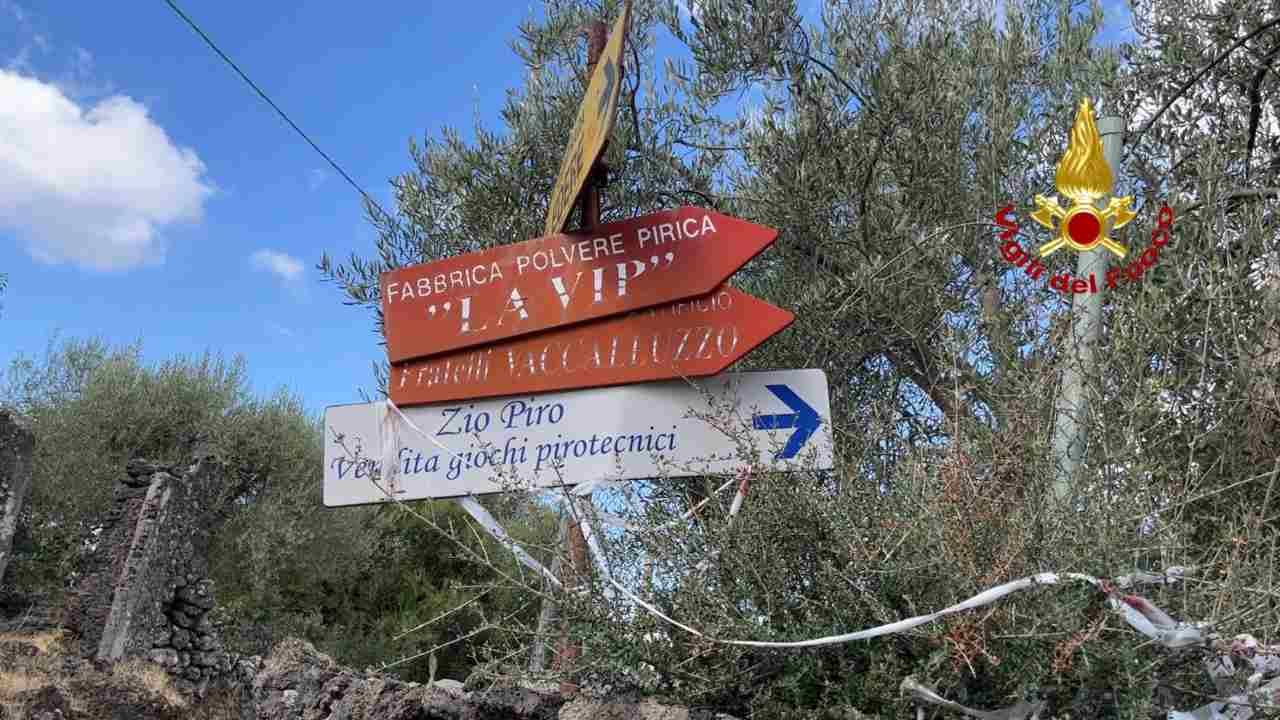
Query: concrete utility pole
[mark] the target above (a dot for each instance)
(1070, 434)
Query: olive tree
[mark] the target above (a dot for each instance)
(351, 580)
(881, 139)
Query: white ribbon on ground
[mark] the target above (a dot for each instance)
(1171, 576)
(983, 598)
(1022, 711)
(1263, 660)
(1153, 622)
(1156, 624)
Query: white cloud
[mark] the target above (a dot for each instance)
(94, 185)
(282, 265)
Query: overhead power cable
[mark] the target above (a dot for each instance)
(275, 107)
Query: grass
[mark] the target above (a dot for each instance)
(13, 683)
(42, 641)
(152, 678)
(32, 677)
(45, 669)
(29, 673)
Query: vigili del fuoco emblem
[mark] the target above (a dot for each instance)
(1083, 176)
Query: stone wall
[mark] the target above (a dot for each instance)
(17, 448)
(296, 682)
(184, 640)
(146, 591)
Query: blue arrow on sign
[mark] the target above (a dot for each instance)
(804, 419)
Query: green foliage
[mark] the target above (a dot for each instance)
(353, 580)
(92, 408)
(887, 136)
(349, 579)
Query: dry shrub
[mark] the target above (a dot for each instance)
(24, 673)
(14, 683)
(134, 685)
(150, 677)
(966, 642)
(43, 641)
(1064, 652)
(218, 704)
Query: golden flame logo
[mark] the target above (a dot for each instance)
(1083, 173)
(1083, 176)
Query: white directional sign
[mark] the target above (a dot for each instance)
(677, 428)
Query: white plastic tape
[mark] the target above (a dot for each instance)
(984, 598)
(392, 418)
(1236, 707)
(1022, 711)
(1146, 618)
(389, 437)
(620, 523)
(1140, 613)
(1153, 622)
(1170, 576)
(482, 516)
(741, 494)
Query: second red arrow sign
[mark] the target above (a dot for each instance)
(685, 339)
(558, 280)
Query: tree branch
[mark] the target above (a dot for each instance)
(1255, 107)
(712, 148)
(1253, 194)
(917, 367)
(1196, 78)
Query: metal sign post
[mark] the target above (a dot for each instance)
(578, 568)
(544, 361)
(595, 118)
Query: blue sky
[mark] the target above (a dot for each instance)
(147, 193)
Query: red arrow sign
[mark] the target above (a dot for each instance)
(562, 279)
(684, 339)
